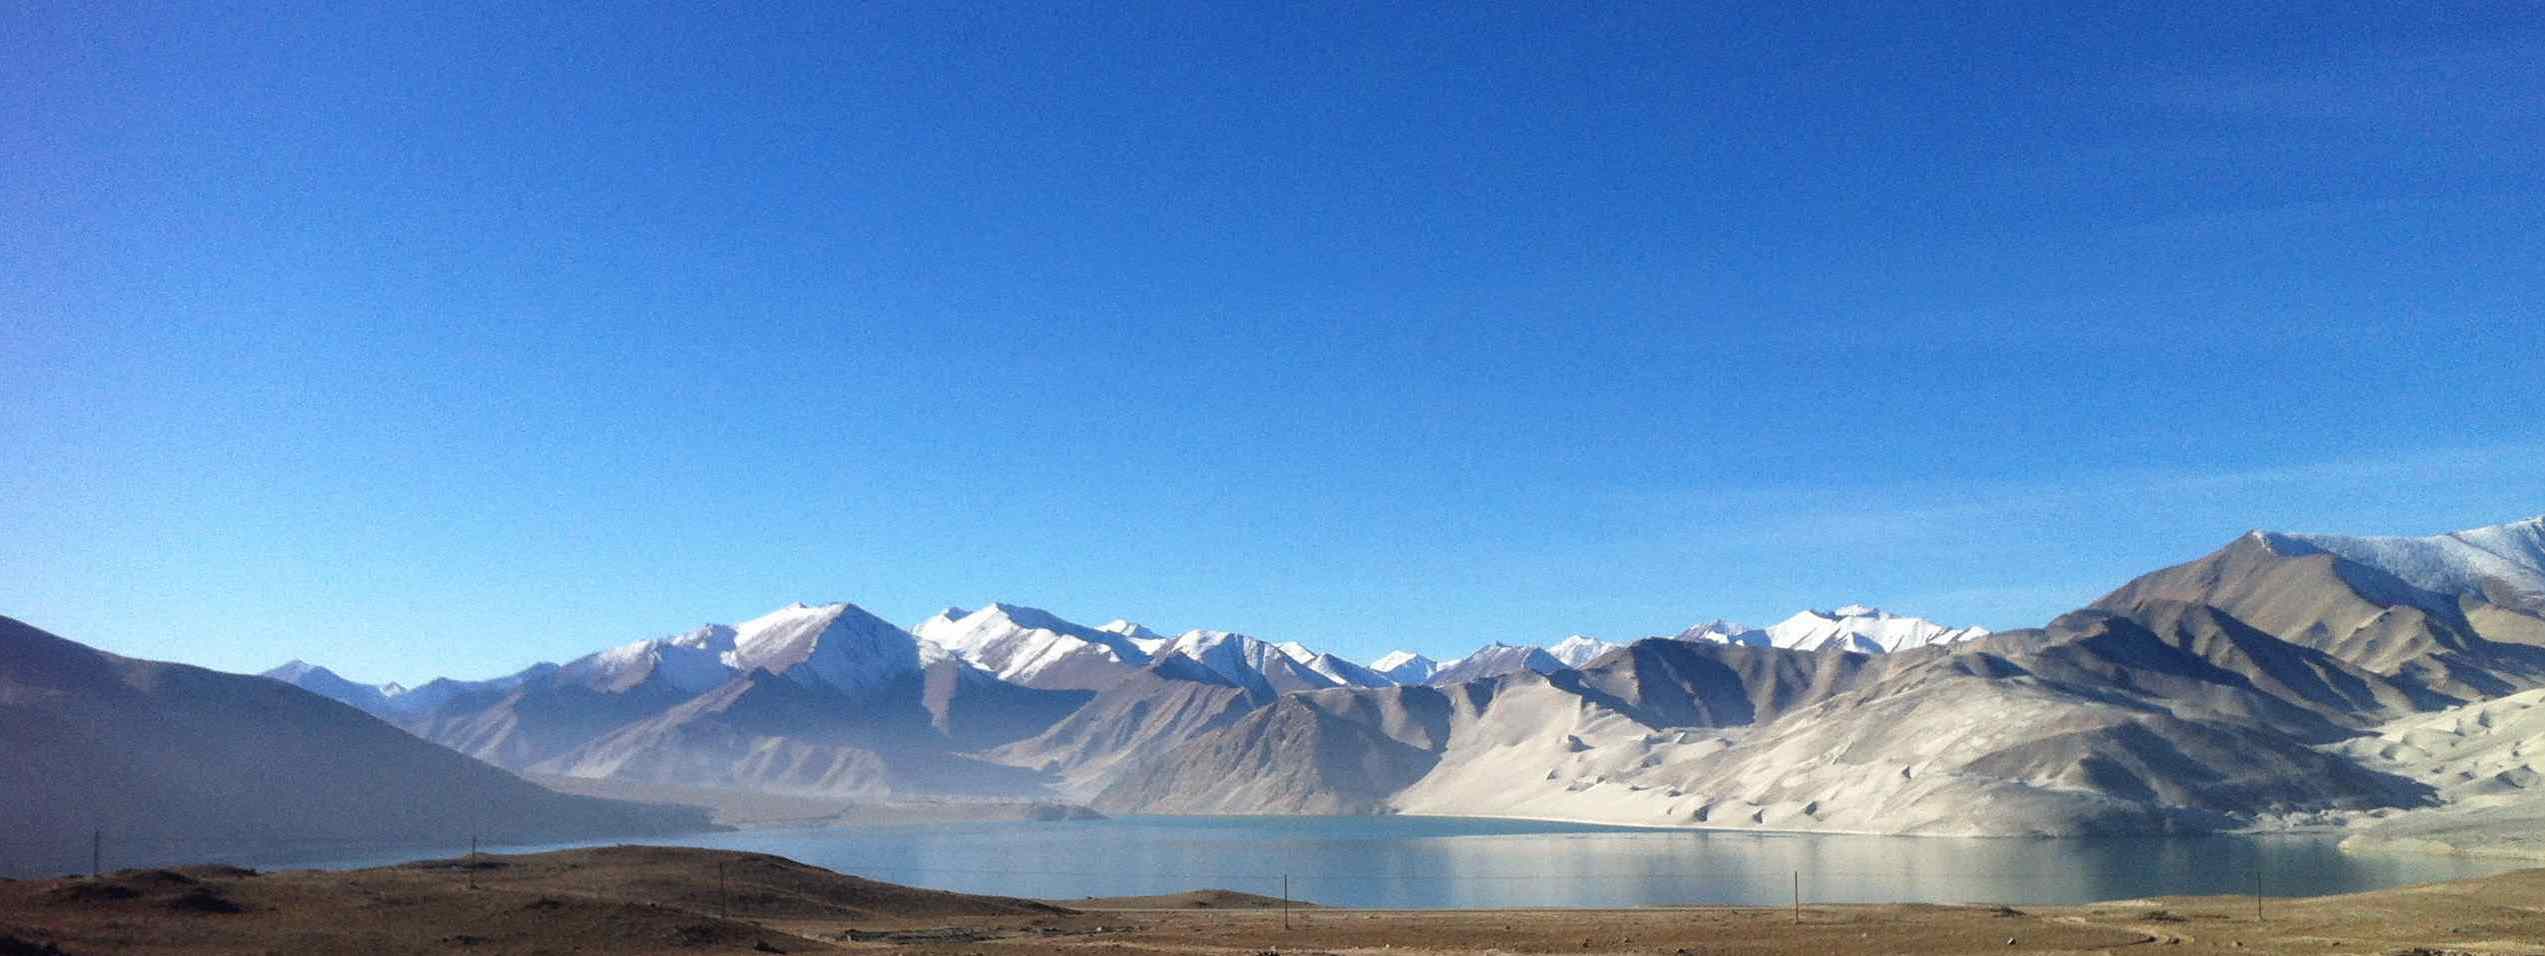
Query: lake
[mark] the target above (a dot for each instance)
(1421, 862)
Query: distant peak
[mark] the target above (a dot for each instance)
(1719, 626)
(296, 669)
(1128, 628)
(1031, 618)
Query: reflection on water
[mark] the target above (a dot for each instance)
(1449, 862)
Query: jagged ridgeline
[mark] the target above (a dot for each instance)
(2273, 680)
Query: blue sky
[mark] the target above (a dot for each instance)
(444, 341)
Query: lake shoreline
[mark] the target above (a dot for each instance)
(1421, 862)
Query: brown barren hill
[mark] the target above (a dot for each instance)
(611, 899)
(673, 900)
(171, 761)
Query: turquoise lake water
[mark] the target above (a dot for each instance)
(1460, 862)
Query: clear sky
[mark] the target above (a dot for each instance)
(444, 340)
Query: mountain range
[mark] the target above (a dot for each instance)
(2246, 687)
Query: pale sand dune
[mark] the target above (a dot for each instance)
(2486, 759)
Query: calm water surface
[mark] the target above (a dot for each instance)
(1454, 862)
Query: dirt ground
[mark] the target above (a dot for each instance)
(669, 900)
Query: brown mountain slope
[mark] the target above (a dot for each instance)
(765, 732)
(1171, 701)
(2459, 645)
(169, 759)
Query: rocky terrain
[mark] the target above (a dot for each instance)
(2238, 689)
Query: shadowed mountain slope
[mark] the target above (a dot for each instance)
(164, 754)
(1173, 700)
(2362, 614)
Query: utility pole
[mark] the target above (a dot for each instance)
(96, 853)
(723, 907)
(1285, 901)
(2257, 884)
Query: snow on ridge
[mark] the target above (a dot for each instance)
(1394, 659)
(1018, 643)
(1131, 629)
(1864, 629)
(1334, 668)
(940, 623)
(1496, 659)
(2455, 563)
(691, 663)
(837, 645)
(706, 637)
(1405, 667)
(1148, 641)
(1720, 631)
(1579, 649)
(842, 646)
(1247, 660)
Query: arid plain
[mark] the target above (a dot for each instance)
(667, 900)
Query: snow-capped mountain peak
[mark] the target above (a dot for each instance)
(1579, 649)
(1131, 629)
(717, 638)
(1405, 667)
(939, 623)
(839, 646)
(1393, 659)
(1496, 659)
(1333, 668)
(690, 663)
(1141, 637)
(1864, 629)
(1720, 631)
(1034, 647)
(1248, 661)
